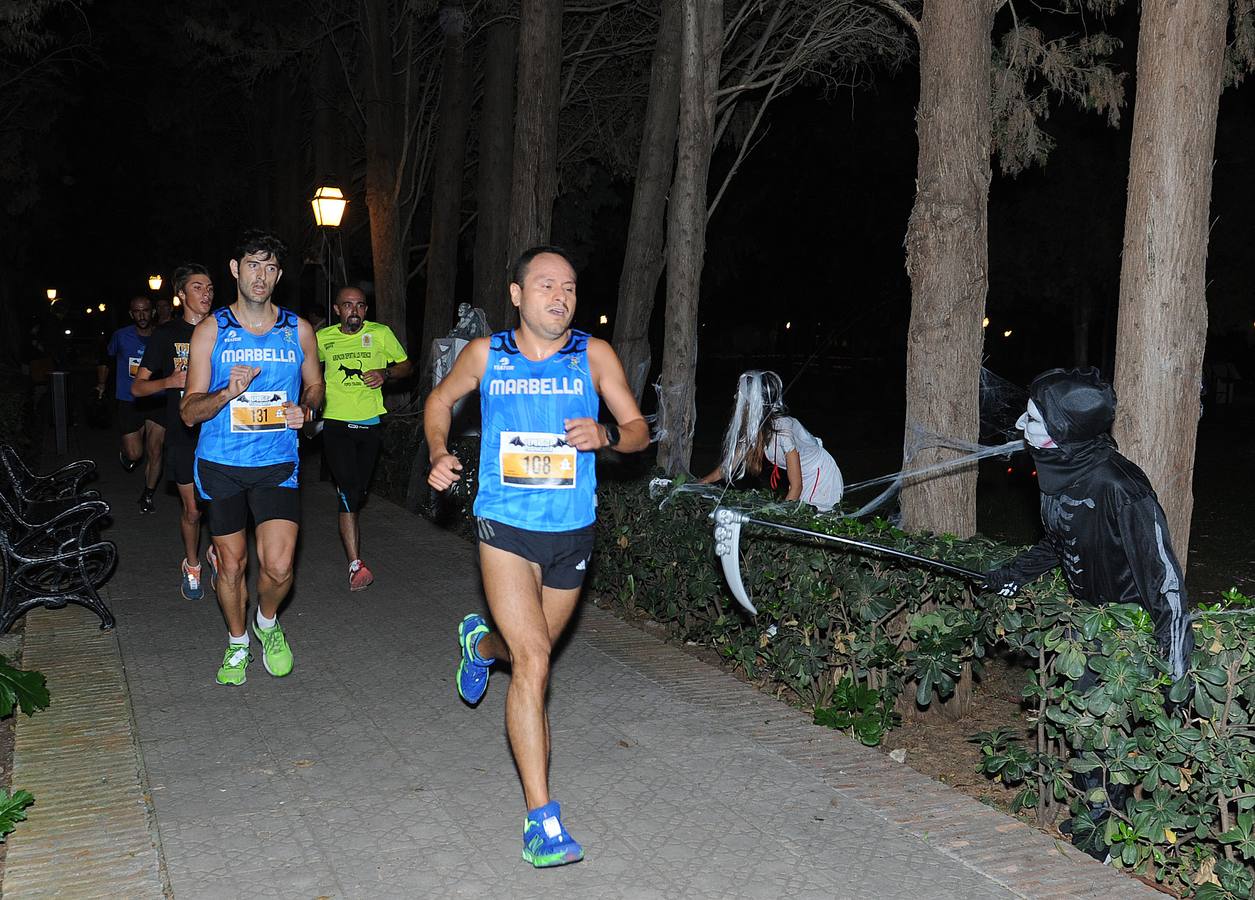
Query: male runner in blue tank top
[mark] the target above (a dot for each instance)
(249, 365)
(536, 504)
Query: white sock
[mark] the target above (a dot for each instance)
(263, 622)
(241, 641)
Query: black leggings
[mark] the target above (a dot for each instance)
(351, 452)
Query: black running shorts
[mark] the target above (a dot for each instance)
(563, 556)
(351, 452)
(235, 491)
(132, 414)
(180, 461)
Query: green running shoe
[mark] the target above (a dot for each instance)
(235, 665)
(276, 654)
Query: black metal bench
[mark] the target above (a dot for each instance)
(65, 483)
(50, 542)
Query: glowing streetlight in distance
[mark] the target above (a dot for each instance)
(102, 307)
(176, 300)
(67, 331)
(89, 310)
(604, 320)
(328, 205)
(788, 325)
(154, 282)
(984, 323)
(52, 295)
(1007, 333)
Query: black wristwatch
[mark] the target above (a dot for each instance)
(612, 433)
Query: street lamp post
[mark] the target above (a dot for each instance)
(328, 204)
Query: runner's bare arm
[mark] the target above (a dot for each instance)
(144, 385)
(438, 411)
(198, 405)
(610, 382)
(314, 391)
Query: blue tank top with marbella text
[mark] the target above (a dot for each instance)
(529, 476)
(250, 430)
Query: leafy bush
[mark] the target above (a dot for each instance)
(829, 623)
(1177, 761)
(26, 691)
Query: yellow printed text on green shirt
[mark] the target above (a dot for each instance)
(347, 358)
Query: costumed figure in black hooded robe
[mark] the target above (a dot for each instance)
(1104, 525)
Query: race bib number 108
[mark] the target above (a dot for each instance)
(258, 411)
(537, 460)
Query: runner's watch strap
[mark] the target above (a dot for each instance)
(612, 433)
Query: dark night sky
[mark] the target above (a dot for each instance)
(152, 163)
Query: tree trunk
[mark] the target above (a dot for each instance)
(643, 258)
(1162, 325)
(290, 212)
(331, 164)
(496, 143)
(947, 253)
(383, 191)
(446, 203)
(535, 177)
(387, 243)
(701, 44)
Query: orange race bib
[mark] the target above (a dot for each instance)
(259, 411)
(537, 460)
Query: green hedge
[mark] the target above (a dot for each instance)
(847, 633)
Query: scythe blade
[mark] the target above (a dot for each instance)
(728, 524)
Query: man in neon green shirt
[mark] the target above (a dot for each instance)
(359, 357)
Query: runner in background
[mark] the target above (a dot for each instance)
(360, 357)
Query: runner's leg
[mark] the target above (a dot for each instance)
(348, 534)
(189, 523)
(232, 551)
(529, 620)
(276, 546)
(154, 437)
(133, 445)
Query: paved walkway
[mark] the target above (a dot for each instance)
(362, 774)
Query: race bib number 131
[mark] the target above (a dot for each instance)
(258, 411)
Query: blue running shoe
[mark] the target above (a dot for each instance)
(192, 588)
(545, 842)
(472, 668)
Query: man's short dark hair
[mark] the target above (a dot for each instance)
(255, 240)
(519, 270)
(144, 297)
(186, 271)
(340, 289)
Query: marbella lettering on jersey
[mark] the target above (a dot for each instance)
(258, 354)
(504, 387)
